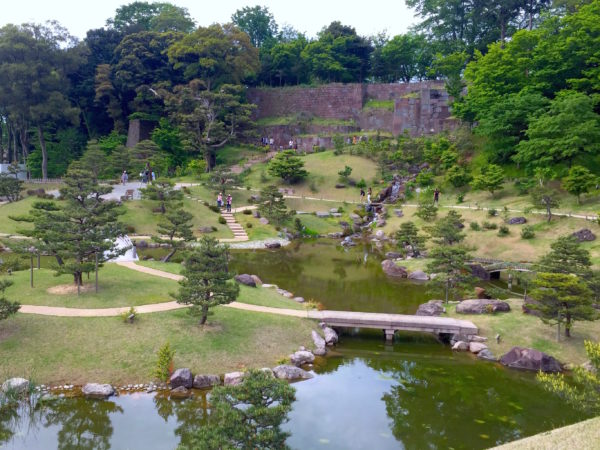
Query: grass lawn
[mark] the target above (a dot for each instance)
(19, 208)
(524, 330)
(323, 168)
(257, 230)
(139, 214)
(78, 350)
(253, 296)
(118, 286)
(582, 435)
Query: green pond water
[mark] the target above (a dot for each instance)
(414, 394)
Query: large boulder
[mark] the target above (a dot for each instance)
(96, 390)
(180, 392)
(302, 357)
(257, 280)
(431, 308)
(181, 377)
(233, 378)
(477, 270)
(16, 385)
(392, 270)
(393, 255)
(331, 337)
(476, 347)
(206, 381)
(480, 306)
(418, 275)
(584, 235)
(317, 339)
(272, 244)
(530, 359)
(245, 279)
(460, 346)
(287, 372)
(486, 355)
(516, 221)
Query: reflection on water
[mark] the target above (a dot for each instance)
(415, 394)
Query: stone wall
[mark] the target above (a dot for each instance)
(419, 108)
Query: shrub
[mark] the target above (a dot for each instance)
(340, 210)
(214, 228)
(426, 211)
(361, 184)
(503, 230)
(527, 232)
(312, 185)
(186, 190)
(489, 225)
(214, 208)
(460, 198)
(424, 179)
(130, 229)
(489, 309)
(248, 225)
(492, 212)
(475, 226)
(129, 316)
(247, 212)
(222, 220)
(164, 363)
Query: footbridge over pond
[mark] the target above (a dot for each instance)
(390, 323)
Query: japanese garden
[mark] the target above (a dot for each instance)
(244, 236)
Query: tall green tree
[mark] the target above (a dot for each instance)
(582, 391)
(566, 256)
(247, 416)
(257, 22)
(447, 230)
(579, 181)
(288, 166)
(7, 307)
(207, 281)
(162, 191)
(562, 299)
(176, 227)
(453, 275)
(272, 205)
(139, 16)
(546, 198)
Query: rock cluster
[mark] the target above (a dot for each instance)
(530, 359)
(516, 221)
(431, 308)
(482, 306)
(392, 270)
(584, 235)
(96, 390)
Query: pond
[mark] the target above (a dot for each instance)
(413, 394)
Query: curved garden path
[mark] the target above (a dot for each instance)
(156, 307)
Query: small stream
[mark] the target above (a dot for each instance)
(414, 394)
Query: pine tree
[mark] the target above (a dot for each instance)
(288, 166)
(566, 256)
(447, 231)
(207, 281)
(562, 298)
(490, 179)
(546, 198)
(247, 416)
(7, 308)
(176, 225)
(162, 191)
(272, 205)
(408, 235)
(453, 275)
(426, 210)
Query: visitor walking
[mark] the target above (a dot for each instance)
(362, 195)
(229, 199)
(436, 196)
(220, 200)
(124, 177)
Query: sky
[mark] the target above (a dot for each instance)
(309, 16)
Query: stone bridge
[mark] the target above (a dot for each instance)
(487, 269)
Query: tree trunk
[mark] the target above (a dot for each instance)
(549, 212)
(96, 269)
(169, 255)
(568, 325)
(31, 270)
(447, 289)
(204, 314)
(211, 160)
(44, 153)
(39, 262)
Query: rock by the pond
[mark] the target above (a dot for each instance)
(480, 306)
(476, 347)
(331, 337)
(273, 245)
(302, 357)
(181, 377)
(393, 255)
(299, 299)
(460, 346)
(233, 378)
(16, 385)
(516, 221)
(257, 280)
(333, 210)
(245, 279)
(487, 355)
(418, 275)
(206, 230)
(320, 351)
(392, 270)
(584, 235)
(431, 308)
(530, 359)
(264, 220)
(381, 223)
(285, 293)
(380, 234)
(180, 392)
(206, 381)
(287, 372)
(96, 390)
(322, 214)
(317, 339)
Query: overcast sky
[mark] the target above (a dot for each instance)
(368, 17)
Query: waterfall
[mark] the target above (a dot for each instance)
(131, 253)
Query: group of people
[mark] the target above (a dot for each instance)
(146, 176)
(270, 142)
(228, 201)
(362, 195)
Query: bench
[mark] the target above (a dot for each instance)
(128, 195)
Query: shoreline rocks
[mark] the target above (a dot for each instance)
(288, 372)
(530, 359)
(302, 357)
(206, 381)
(392, 270)
(431, 308)
(481, 306)
(181, 377)
(233, 378)
(245, 279)
(96, 390)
